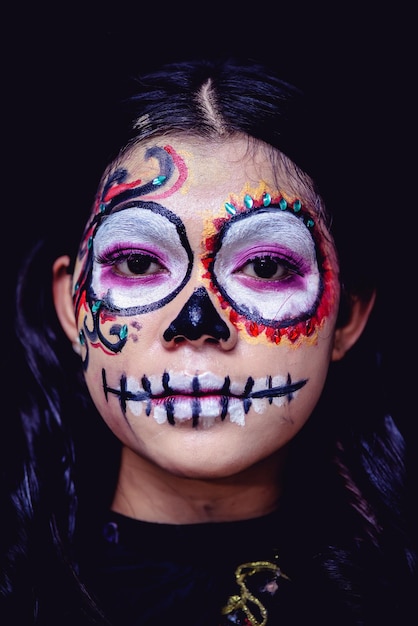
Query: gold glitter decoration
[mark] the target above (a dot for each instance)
(245, 598)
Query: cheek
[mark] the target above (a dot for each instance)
(110, 347)
(309, 363)
(94, 380)
(104, 376)
(305, 361)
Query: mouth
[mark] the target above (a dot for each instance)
(176, 398)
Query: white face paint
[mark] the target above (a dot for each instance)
(206, 398)
(206, 336)
(293, 286)
(139, 260)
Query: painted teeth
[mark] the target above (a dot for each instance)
(162, 397)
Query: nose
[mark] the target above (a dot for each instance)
(199, 322)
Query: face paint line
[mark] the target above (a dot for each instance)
(175, 401)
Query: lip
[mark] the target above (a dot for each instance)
(178, 397)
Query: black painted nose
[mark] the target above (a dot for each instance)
(198, 318)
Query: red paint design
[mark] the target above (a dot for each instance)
(273, 334)
(117, 189)
(298, 329)
(253, 329)
(99, 346)
(293, 333)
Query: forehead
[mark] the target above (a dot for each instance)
(220, 166)
(205, 157)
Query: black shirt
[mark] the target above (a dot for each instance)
(163, 574)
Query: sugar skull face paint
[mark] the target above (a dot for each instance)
(141, 260)
(266, 267)
(209, 325)
(174, 397)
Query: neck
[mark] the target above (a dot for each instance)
(148, 492)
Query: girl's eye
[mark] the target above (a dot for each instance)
(266, 268)
(132, 264)
(138, 265)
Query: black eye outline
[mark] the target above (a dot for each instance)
(181, 232)
(243, 309)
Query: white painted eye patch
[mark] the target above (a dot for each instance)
(265, 264)
(141, 259)
(266, 267)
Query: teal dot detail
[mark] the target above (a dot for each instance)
(81, 337)
(266, 199)
(248, 201)
(282, 204)
(309, 222)
(158, 180)
(96, 306)
(123, 333)
(90, 242)
(230, 208)
(297, 205)
(102, 207)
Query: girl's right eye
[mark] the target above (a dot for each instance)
(138, 265)
(131, 263)
(141, 258)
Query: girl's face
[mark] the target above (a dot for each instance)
(206, 296)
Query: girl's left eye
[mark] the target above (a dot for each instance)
(266, 268)
(138, 265)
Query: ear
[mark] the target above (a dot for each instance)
(346, 336)
(61, 291)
